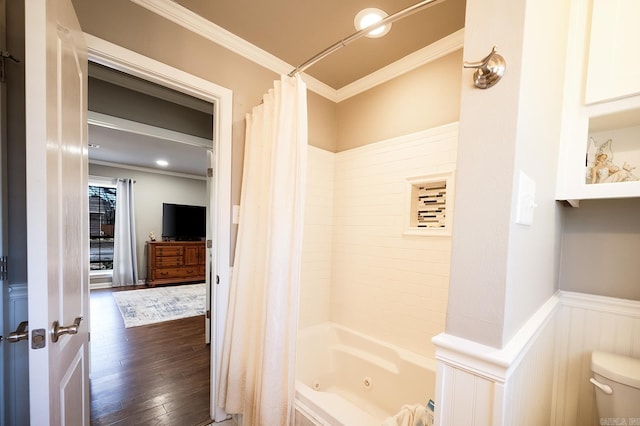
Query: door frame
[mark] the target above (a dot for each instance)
(122, 59)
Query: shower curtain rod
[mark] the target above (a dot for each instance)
(361, 33)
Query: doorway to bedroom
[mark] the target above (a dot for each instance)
(146, 362)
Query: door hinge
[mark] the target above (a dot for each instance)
(4, 268)
(5, 55)
(208, 314)
(209, 244)
(209, 172)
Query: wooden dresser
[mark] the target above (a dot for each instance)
(171, 262)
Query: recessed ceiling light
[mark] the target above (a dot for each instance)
(370, 16)
(162, 163)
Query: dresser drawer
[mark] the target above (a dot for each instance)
(163, 251)
(185, 272)
(165, 261)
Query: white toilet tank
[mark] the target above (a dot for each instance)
(616, 380)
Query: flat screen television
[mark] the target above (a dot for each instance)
(183, 222)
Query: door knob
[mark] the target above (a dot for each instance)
(58, 330)
(21, 333)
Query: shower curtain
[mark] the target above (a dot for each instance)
(257, 374)
(125, 263)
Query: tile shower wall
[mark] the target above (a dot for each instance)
(316, 247)
(388, 285)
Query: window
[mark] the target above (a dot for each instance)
(102, 215)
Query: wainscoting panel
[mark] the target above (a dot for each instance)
(468, 390)
(589, 323)
(541, 377)
(484, 386)
(17, 361)
(528, 391)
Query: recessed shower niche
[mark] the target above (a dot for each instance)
(430, 208)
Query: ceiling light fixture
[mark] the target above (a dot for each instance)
(162, 163)
(370, 16)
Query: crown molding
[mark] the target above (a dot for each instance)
(146, 169)
(432, 52)
(207, 29)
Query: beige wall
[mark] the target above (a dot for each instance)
(133, 27)
(423, 98)
(123, 23)
(600, 247)
(150, 191)
(502, 272)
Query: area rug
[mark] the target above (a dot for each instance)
(148, 306)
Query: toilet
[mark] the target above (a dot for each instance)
(616, 380)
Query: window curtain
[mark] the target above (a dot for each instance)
(257, 373)
(125, 262)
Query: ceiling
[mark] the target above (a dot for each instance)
(293, 31)
(134, 123)
(296, 30)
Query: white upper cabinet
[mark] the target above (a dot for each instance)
(614, 53)
(601, 110)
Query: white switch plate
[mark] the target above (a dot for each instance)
(526, 200)
(235, 215)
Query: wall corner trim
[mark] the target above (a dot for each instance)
(492, 363)
(17, 291)
(626, 307)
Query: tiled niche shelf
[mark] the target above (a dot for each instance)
(430, 205)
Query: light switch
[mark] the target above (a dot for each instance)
(526, 200)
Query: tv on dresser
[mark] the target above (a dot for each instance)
(182, 222)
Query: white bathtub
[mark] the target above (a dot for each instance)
(347, 378)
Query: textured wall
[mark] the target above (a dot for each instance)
(600, 246)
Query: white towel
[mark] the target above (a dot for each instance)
(409, 415)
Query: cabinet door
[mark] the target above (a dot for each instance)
(191, 255)
(614, 61)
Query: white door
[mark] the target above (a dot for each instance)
(57, 213)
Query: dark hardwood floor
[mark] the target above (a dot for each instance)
(150, 375)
